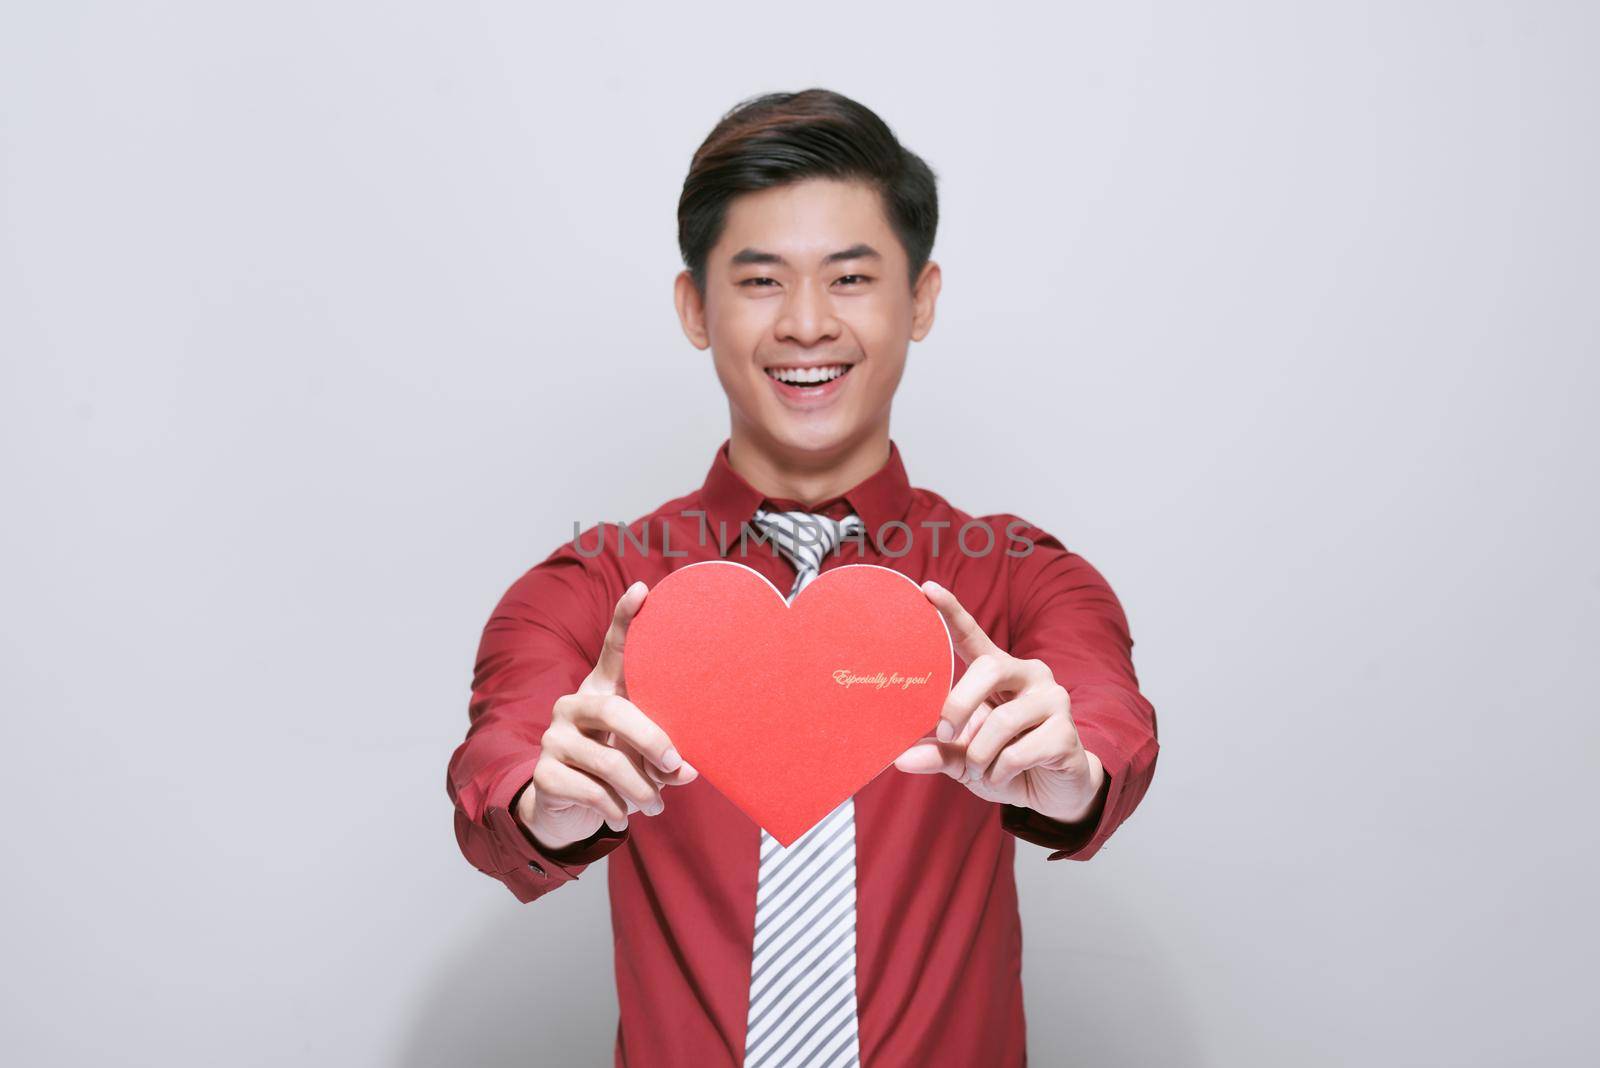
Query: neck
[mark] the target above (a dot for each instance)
(807, 477)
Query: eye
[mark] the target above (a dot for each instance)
(858, 277)
(757, 283)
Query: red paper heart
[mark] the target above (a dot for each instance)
(788, 709)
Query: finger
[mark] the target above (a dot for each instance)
(1036, 748)
(646, 769)
(685, 774)
(608, 669)
(561, 784)
(929, 756)
(617, 714)
(1008, 720)
(974, 724)
(965, 634)
(990, 673)
(616, 768)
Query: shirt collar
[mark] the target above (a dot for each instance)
(879, 498)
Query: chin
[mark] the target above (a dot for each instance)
(817, 437)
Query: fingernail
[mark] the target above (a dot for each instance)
(670, 760)
(946, 730)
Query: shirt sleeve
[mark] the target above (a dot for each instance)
(1064, 613)
(542, 639)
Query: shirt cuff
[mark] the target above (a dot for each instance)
(1076, 841)
(525, 858)
(1065, 839)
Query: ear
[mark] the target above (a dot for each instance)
(691, 310)
(923, 297)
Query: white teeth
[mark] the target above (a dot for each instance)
(807, 376)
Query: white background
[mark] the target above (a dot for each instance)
(322, 322)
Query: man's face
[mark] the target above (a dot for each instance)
(808, 314)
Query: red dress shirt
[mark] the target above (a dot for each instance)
(939, 939)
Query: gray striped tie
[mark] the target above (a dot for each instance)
(803, 967)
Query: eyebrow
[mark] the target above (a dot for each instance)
(858, 251)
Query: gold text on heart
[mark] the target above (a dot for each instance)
(879, 680)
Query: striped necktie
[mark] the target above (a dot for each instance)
(803, 967)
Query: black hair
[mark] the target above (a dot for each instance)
(778, 138)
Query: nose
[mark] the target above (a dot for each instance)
(807, 315)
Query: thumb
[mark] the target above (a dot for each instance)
(608, 669)
(968, 638)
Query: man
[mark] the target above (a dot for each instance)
(889, 935)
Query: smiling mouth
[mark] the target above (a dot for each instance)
(809, 378)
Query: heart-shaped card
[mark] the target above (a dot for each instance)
(789, 709)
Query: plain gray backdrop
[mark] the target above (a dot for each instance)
(322, 322)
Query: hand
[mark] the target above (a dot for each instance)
(1006, 730)
(600, 758)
